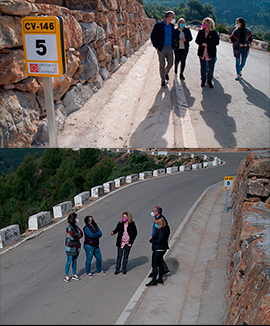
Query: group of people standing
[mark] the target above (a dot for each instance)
(126, 231)
(172, 45)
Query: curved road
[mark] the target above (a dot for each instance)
(32, 286)
(132, 110)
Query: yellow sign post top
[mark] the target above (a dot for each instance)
(44, 45)
(38, 25)
(228, 183)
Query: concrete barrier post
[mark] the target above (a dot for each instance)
(164, 153)
(9, 234)
(109, 186)
(119, 181)
(145, 175)
(37, 221)
(196, 166)
(97, 191)
(62, 209)
(82, 198)
(172, 169)
(158, 172)
(184, 167)
(131, 178)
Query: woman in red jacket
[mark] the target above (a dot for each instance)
(127, 233)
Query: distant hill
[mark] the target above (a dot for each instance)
(14, 156)
(255, 12)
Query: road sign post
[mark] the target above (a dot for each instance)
(44, 53)
(227, 185)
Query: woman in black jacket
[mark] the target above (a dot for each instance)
(159, 246)
(127, 233)
(207, 39)
(182, 38)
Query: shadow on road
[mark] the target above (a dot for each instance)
(190, 99)
(150, 131)
(215, 114)
(256, 97)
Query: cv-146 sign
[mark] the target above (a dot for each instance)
(44, 46)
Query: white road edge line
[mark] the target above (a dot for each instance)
(135, 298)
(189, 137)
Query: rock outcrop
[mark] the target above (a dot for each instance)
(248, 289)
(99, 36)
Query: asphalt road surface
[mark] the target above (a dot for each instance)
(31, 280)
(132, 110)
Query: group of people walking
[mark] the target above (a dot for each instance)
(172, 45)
(126, 231)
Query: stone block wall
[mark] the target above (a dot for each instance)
(99, 36)
(248, 288)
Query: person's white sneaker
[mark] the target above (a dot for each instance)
(101, 273)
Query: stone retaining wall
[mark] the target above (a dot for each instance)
(248, 288)
(99, 36)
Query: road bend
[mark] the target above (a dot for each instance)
(32, 284)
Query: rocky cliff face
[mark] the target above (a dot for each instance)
(248, 289)
(99, 36)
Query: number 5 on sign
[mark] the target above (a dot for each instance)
(44, 46)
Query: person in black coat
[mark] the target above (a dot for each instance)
(163, 39)
(207, 39)
(159, 246)
(157, 213)
(241, 39)
(127, 233)
(182, 38)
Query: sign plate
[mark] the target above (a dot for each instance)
(44, 46)
(228, 183)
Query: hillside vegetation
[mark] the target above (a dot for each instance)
(41, 182)
(256, 13)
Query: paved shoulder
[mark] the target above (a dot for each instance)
(193, 292)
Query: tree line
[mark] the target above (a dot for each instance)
(224, 13)
(43, 181)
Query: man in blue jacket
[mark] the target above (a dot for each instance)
(162, 37)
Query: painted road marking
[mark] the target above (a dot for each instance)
(185, 120)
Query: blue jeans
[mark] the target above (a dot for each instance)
(126, 251)
(211, 65)
(72, 259)
(90, 252)
(241, 61)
